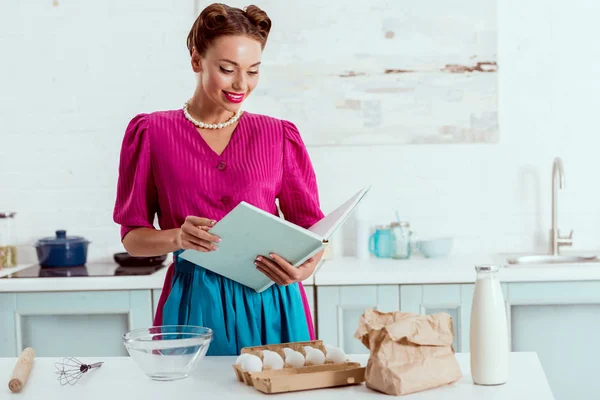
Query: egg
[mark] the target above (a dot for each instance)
(294, 359)
(315, 357)
(335, 355)
(241, 358)
(287, 351)
(272, 360)
(252, 363)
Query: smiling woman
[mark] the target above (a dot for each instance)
(191, 166)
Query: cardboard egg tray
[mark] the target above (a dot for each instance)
(304, 378)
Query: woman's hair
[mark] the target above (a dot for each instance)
(219, 20)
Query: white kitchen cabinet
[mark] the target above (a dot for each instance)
(557, 320)
(339, 309)
(454, 299)
(560, 321)
(71, 323)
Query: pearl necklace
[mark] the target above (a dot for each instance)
(209, 126)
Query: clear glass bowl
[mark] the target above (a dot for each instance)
(168, 352)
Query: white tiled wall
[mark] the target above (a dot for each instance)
(73, 74)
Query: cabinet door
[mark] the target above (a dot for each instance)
(455, 299)
(60, 324)
(559, 321)
(339, 309)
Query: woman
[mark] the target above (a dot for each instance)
(191, 166)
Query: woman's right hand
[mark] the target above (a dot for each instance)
(194, 234)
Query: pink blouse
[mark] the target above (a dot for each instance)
(167, 169)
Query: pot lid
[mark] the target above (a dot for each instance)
(61, 238)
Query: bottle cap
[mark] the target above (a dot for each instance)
(486, 268)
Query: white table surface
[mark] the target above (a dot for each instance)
(120, 378)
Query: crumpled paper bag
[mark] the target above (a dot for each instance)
(409, 352)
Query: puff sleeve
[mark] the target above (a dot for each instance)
(137, 199)
(299, 196)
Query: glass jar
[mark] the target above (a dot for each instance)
(8, 248)
(404, 243)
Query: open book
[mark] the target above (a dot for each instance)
(247, 232)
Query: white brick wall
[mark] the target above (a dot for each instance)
(72, 76)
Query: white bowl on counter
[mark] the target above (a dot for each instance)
(435, 248)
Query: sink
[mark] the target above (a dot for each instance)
(550, 259)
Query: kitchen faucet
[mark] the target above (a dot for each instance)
(556, 241)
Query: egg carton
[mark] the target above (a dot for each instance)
(307, 377)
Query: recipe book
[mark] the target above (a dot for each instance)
(247, 232)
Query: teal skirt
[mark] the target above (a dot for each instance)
(238, 316)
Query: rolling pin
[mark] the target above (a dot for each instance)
(22, 370)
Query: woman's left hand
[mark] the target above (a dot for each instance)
(282, 272)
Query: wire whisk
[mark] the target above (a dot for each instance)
(70, 370)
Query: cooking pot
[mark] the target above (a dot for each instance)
(62, 250)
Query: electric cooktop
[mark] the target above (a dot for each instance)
(91, 269)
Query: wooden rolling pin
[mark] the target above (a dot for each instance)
(22, 370)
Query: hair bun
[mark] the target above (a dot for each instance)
(259, 18)
(215, 17)
(218, 20)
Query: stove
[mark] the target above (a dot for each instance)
(89, 270)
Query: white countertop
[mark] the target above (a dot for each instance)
(341, 271)
(120, 378)
(85, 283)
(452, 269)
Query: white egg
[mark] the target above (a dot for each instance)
(241, 358)
(329, 347)
(336, 355)
(315, 357)
(287, 351)
(294, 359)
(252, 363)
(308, 349)
(272, 360)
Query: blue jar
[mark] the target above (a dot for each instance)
(381, 242)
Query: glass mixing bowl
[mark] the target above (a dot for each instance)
(168, 352)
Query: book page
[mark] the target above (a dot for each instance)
(327, 226)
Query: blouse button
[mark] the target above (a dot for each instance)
(221, 165)
(226, 200)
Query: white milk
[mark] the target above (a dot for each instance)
(489, 330)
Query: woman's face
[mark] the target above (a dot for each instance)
(228, 72)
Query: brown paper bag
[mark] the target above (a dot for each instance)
(409, 352)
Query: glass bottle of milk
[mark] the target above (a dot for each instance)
(489, 329)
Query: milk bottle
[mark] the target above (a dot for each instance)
(489, 329)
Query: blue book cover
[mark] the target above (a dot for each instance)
(248, 231)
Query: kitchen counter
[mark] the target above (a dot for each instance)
(120, 378)
(80, 283)
(452, 269)
(85, 283)
(341, 271)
